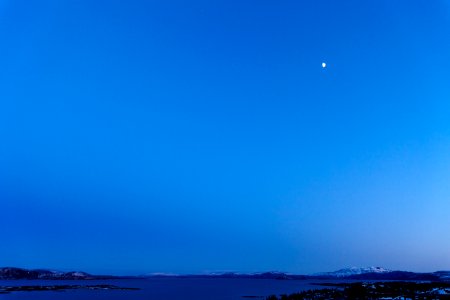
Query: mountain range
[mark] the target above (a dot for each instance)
(369, 273)
(353, 273)
(19, 273)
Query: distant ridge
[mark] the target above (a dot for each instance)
(353, 273)
(379, 273)
(256, 275)
(7, 273)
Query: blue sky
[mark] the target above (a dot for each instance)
(195, 136)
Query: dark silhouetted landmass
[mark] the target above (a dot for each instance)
(378, 290)
(46, 288)
(263, 275)
(10, 273)
(362, 274)
(392, 275)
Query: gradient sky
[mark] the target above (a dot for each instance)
(195, 136)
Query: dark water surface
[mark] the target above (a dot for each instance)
(163, 289)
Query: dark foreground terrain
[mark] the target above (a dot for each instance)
(374, 290)
(37, 288)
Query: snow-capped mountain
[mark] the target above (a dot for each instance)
(355, 271)
(19, 273)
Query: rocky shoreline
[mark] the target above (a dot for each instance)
(374, 290)
(47, 288)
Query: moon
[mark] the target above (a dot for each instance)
(324, 65)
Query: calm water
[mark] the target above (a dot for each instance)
(165, 289)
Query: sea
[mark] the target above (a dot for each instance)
(164, 289)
